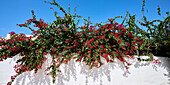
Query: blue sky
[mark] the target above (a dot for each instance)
(18, 11)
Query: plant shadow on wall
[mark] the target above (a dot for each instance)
(73, 70)
(93, 44)
(31, 78)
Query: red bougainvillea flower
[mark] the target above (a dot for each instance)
(41, 20)
(127, 43)
(51, 38)
(130, 34)
(43, 24)
(22, 25)
(110, 28)
(138, 39)
(9, 83)
(35, 32)
(12, 33)
(12, 77)
(142, 42)
(127, 67)
(89, 46)
(133, 48)
(30, 20)
(110, 19)
(116, 35)
(116, 23)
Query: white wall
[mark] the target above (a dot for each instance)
(74, 73)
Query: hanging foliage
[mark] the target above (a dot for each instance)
(63, 39)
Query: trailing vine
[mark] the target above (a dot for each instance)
(63, 40)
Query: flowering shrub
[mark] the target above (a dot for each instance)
(63, 39)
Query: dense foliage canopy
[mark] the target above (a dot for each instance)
(63, 39)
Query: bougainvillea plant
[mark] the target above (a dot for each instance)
(63, 39)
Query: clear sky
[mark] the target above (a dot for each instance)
(14, 12)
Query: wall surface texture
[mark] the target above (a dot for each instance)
(75, 73)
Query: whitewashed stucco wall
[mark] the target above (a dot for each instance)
(74, 73)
